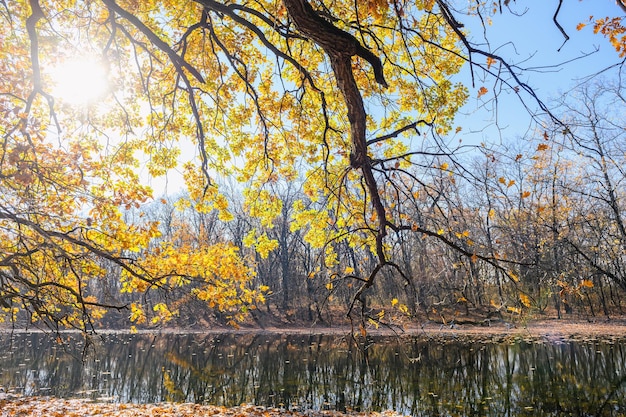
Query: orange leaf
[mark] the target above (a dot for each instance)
(482, 91)
(586, 283)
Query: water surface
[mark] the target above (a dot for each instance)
(413, 375)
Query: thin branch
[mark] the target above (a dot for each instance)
(558, 25)
(509, 67)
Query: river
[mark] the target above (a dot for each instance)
(429, 376)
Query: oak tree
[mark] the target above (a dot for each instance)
(356, 98)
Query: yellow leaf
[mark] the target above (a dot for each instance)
(514, 310)
(525, 300)
(465, 233)
(440, 232)
(394, 302)
(374, 322)
(137, 314)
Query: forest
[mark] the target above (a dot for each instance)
(531, 229)
(326, 174)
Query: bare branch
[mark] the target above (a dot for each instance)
(558, 25)
(397, 132)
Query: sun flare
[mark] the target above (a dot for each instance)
(80, 81)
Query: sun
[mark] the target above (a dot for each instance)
(80, 81)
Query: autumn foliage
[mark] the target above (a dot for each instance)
(359, 116)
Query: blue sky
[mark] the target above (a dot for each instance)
(533, 41)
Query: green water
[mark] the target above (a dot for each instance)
(417, 376)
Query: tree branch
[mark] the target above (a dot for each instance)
(178, 61)
(397, 132)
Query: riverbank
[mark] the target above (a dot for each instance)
(564, 328)
(541, 328)
(536, 328)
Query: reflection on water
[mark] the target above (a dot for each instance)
(417, 376)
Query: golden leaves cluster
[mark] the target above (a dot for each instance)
(71, 196)
(613, 29)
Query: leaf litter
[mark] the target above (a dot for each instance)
(25, 406)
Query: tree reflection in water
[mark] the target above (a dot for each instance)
(415, 376)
